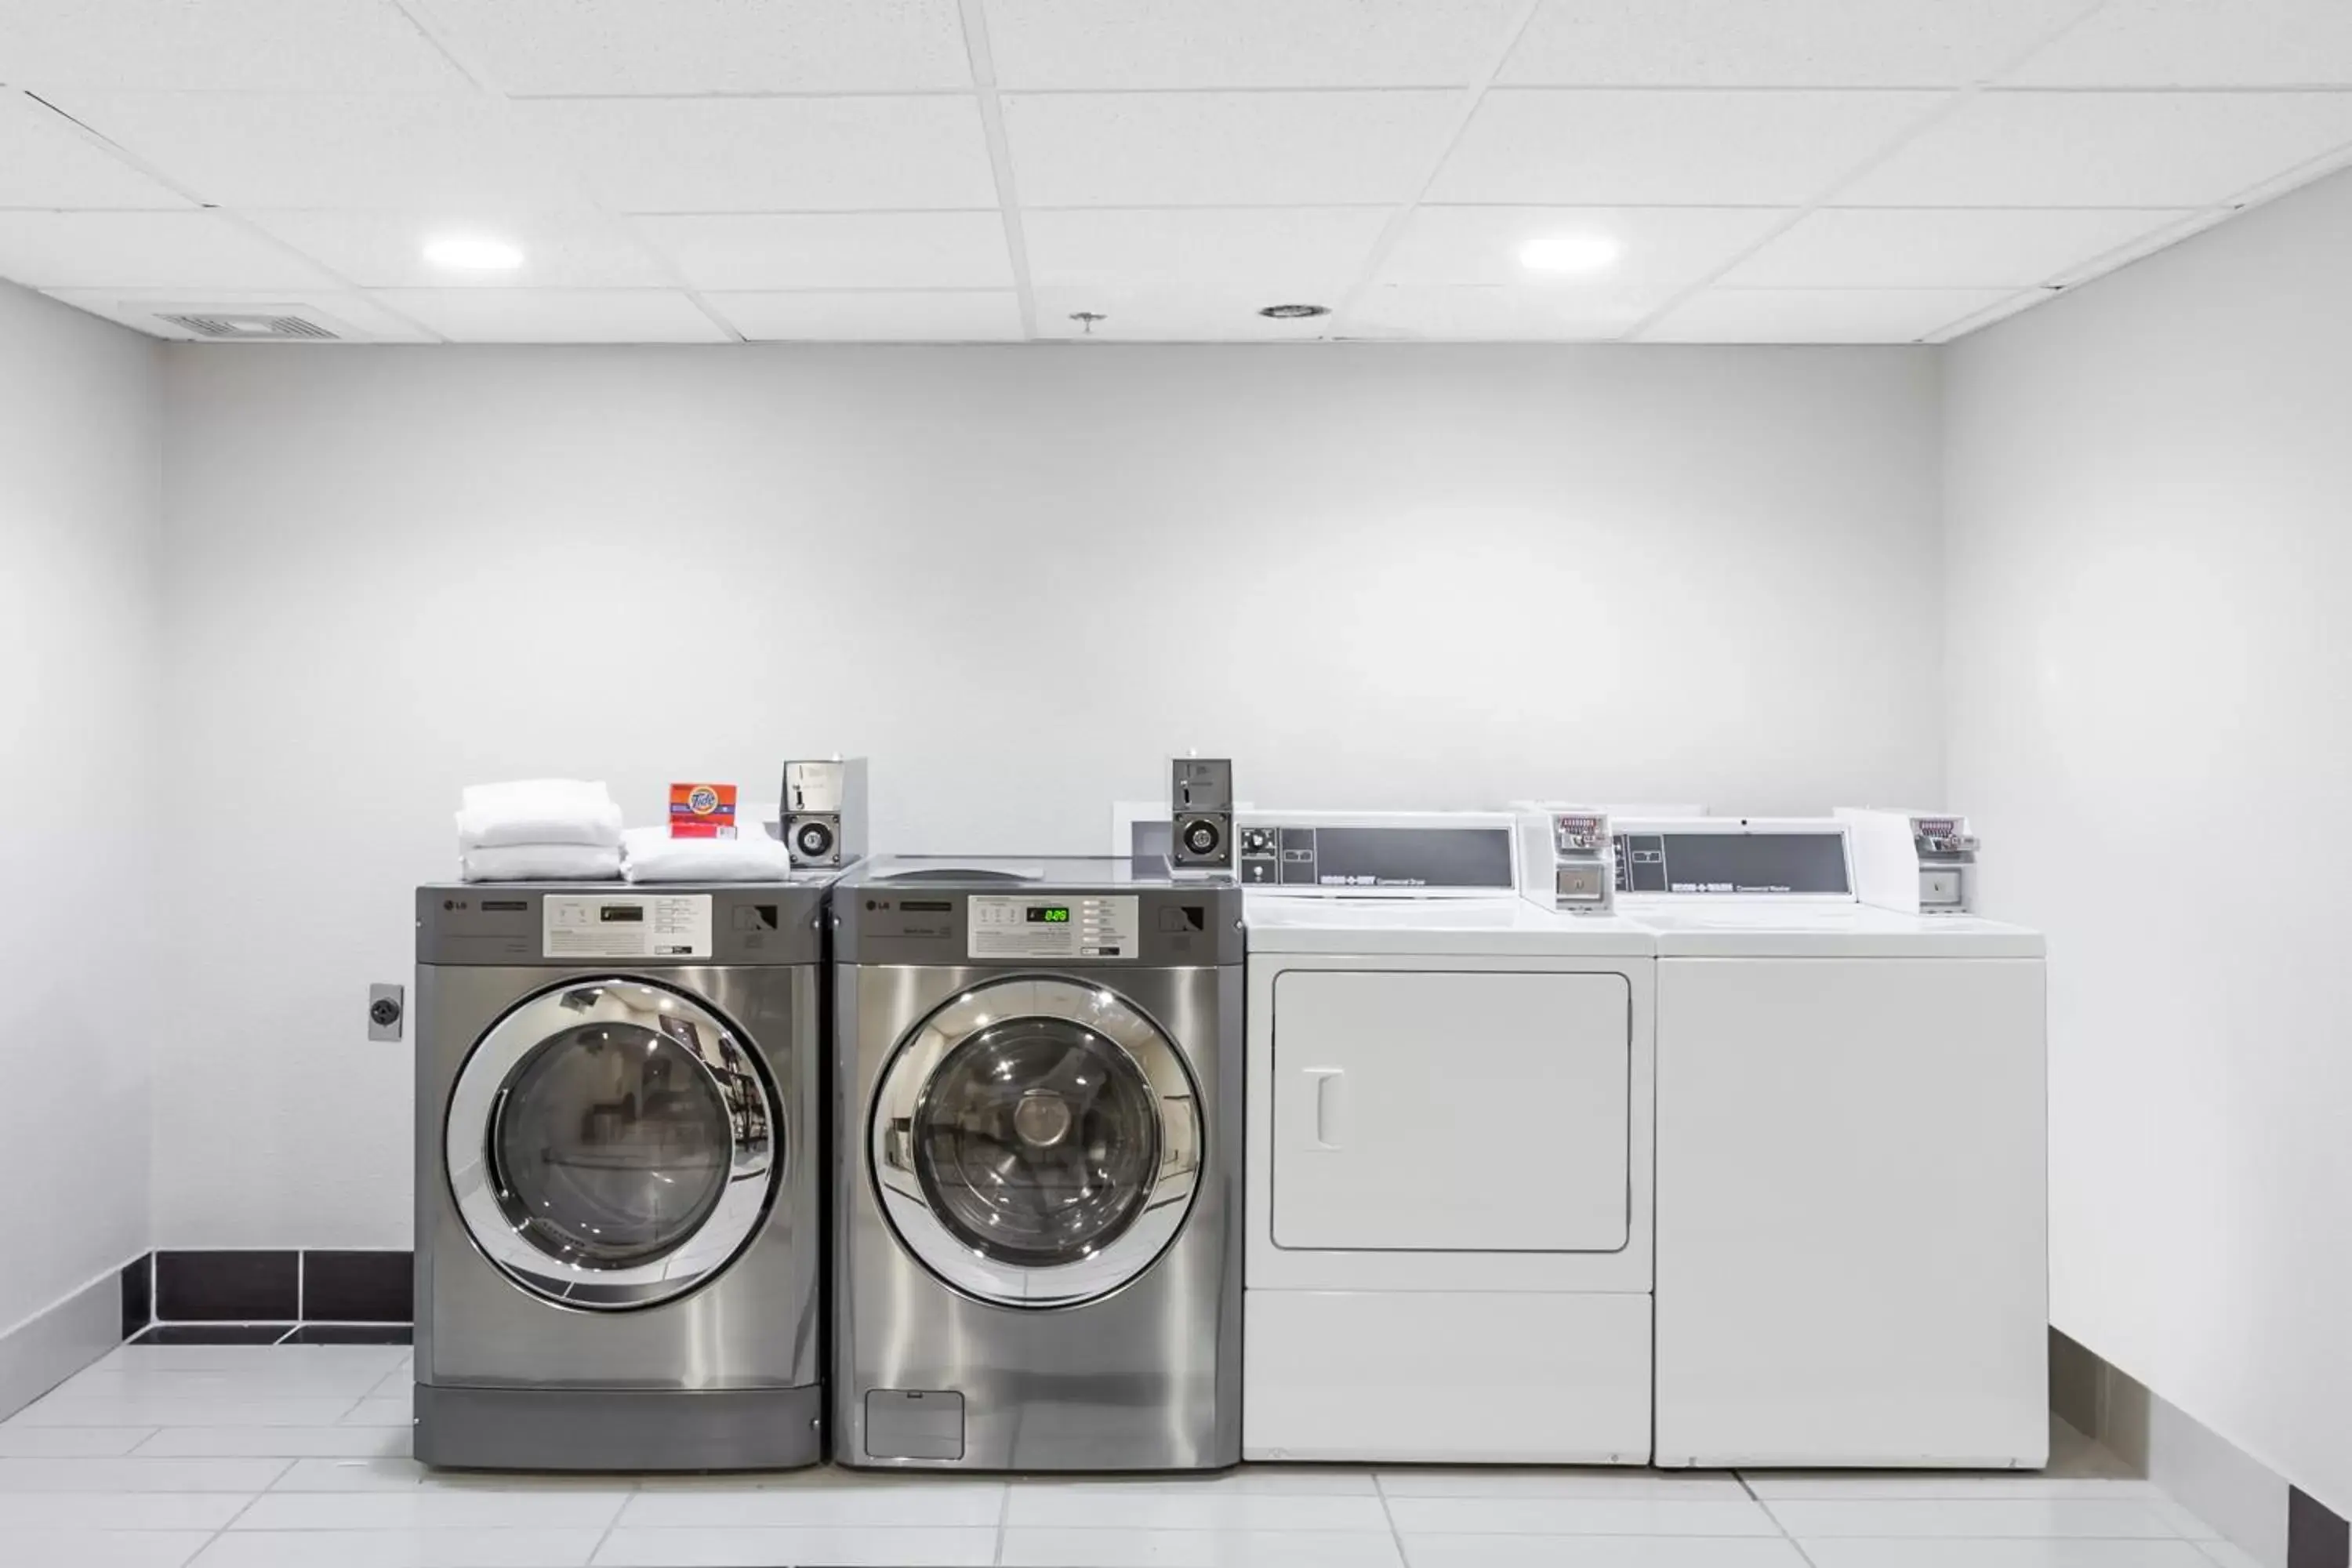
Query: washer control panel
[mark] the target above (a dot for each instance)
(635, 925)
(1077, 925)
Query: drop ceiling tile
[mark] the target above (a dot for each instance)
(1237, 149)
(1912, 247)
(2105, 149)
(539, 46)
(836, 250)
(903, 316)
(45, 162)
(1309, 254)
(1780, 43)
(2200, 43)
(1820, 315)
(386, 250)
(221, 46)
(1663, 250)
(1444, 312)
(557, 315)
(352, 150)
(1697, 148)
(188, 250)
(1080, 44)
(777, 154)
(1169, 313)
(352, 316)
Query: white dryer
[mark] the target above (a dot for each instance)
(1448, 1167)
(1852, 1160)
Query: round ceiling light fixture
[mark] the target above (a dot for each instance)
(1571, 254)
(472, 253)
(1294, 312)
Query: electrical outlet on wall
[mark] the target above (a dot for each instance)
(387, 1011)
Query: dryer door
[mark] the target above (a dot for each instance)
(1036, 1141)
(611, 1143)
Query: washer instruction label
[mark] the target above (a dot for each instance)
(1029, 926)
(623, 925)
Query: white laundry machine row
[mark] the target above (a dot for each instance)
(1448, 1170)
(1851, 1147)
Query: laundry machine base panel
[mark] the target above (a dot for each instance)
(479, 1428)
(1502, 1378)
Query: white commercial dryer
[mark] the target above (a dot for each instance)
(1852, 1161)
(1448, 1164)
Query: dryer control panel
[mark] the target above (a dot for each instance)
(1421, 855)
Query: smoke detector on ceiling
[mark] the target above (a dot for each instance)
(1294, 312)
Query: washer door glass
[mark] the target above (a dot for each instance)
(1037, 1142)
(610, 1146)
(610, 1143)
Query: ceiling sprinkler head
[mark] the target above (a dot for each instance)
(1087, 319)
(1294, 312)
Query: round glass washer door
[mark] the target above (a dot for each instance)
(1036, 1142)
(611, 1143)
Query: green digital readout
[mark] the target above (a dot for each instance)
(1051, 915)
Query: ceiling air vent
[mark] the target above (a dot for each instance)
(246, 327)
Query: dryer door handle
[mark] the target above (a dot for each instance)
(1329, 1101)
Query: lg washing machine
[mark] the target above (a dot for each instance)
(618, 1183)
(1038, 1095)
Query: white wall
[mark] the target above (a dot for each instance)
(81, 776)
(2149, 491)
(1016, 579)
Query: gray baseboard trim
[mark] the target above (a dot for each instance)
(57, 1342)
(2215, 1480)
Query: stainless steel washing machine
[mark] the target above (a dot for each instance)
(1037, 1102)
(619, 1187)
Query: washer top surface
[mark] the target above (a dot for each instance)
(1281, 922)
(1020, 873)
(1698, 926)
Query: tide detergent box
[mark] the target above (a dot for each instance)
(701, 811)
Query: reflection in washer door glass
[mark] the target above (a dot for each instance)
(1037, 1142)
(611, 1144)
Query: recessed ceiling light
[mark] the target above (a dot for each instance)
(1294, 312)
(1570, 253)
(470, 253)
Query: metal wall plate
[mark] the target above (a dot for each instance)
(387, 1011)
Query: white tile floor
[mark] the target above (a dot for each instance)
(237, 1457)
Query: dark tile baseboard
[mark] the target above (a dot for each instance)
(277, 1286)
(358, 1287)
(227, 1286)
(138, 1294)
(2316, 1535)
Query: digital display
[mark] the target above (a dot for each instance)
(1055, 915)
(622, 914)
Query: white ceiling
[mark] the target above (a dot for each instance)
(704, 171)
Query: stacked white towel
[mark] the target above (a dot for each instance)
(529, 830)
(651, 854)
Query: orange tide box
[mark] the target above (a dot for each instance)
(701, 811)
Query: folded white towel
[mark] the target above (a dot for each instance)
(541, 863)
(587, 792)
(538, 811)
(651, 854)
